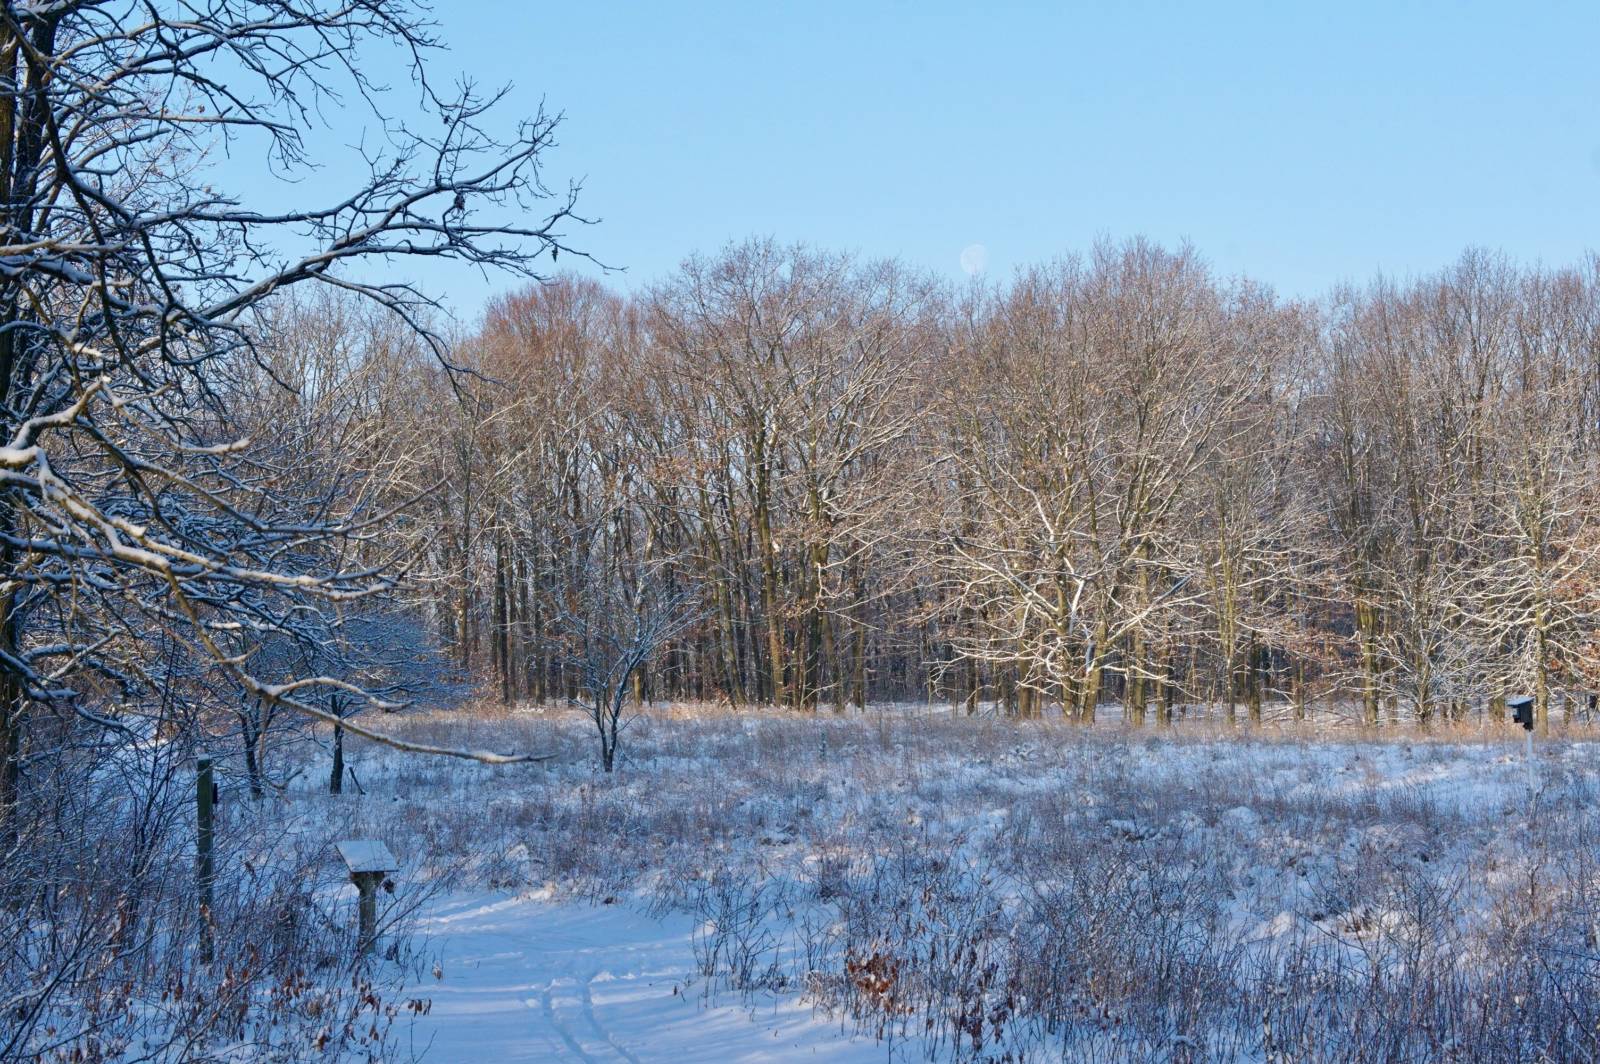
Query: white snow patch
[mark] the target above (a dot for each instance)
(527, 980)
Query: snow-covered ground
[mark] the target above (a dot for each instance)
(907, 885)
(522, 978)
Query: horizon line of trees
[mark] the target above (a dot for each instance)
(1117, 478)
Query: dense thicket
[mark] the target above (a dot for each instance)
(1114, 478)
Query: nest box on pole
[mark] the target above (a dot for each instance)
(370, 863)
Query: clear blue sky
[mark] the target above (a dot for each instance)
(1301, 144)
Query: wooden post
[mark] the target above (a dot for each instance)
(205, 835)
(367, 921)
(370, 863)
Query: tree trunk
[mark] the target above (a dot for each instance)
(20, 141)
(500, 640)
(779, 691)
(1089, 696)
(252, 764)
(1367, 627)
(1300, 691)
(11, 728)
(336, 775)
(1541, 675)
(1163, 684)
(1252, 679)
(1137, 698)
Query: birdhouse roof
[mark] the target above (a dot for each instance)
(367, 855)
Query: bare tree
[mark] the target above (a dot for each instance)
(611, 629)
(126, 499)
(1081, 415)
(151, 551)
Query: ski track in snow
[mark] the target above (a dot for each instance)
(529, 980)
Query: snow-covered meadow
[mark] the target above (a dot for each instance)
(909, 884)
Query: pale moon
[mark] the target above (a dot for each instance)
(974, 257)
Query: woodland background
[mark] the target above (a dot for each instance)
(1113, 478)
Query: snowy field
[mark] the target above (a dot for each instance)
(909, 885)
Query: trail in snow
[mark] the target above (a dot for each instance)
(527, 980)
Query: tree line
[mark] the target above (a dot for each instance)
(1116, 478)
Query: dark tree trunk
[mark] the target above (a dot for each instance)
(336, 776)
(252, 764)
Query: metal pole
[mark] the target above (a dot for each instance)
(205, 835)
(1527, 759)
